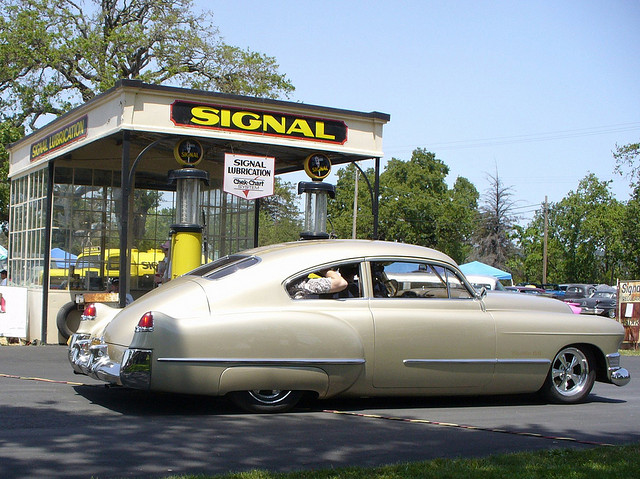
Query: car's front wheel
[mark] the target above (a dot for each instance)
(266, 400)
(571, 376)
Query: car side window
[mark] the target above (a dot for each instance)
(313, 285)
(408, 279)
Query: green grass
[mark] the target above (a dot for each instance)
(621, 462)
(630, 352)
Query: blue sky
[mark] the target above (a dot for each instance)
(541, 91)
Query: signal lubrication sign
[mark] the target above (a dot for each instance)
(249, 177)
(629, 311)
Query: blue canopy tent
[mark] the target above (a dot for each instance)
(478, 268)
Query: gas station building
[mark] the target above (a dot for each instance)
(97, 192)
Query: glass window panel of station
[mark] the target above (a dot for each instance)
(27, 228)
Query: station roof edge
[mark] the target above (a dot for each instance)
(124, 85)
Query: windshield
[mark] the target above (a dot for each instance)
(603, 294)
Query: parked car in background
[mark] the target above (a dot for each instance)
(405, 322)
(553, 289)
(526, 289)
(490, 283)
(603, 301)
(550, 289)
(575, 307)
(578, 291)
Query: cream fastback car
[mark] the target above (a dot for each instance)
(407, 324)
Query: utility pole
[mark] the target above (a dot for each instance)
(355, 208)
(544, 246)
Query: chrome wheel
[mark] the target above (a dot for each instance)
(571, 376)
(266, 400)
(269, 396)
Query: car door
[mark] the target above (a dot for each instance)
(430, 330)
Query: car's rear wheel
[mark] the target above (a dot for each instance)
(266, 400)
(571, 376)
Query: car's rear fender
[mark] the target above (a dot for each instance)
(94, 326)
(219, 354)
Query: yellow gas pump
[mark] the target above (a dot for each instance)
(317, 166)
(186, 233)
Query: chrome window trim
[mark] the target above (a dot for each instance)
(435, 262)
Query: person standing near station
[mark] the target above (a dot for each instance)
(164, 266)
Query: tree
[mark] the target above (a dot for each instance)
(587, 223)
(279, 215)
(630, 232)
(8, 134)
(410, 198)
(525, 264)
(416, 205)
(493, 240)
(341, 208)
(626, 157)
(56, 54)
(459, 221)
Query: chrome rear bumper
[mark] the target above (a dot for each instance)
(616, 374)
(89, 356)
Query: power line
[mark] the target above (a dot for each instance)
(530, 138)
(535, 206)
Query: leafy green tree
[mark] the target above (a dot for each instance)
(627, 158)
(628, 163)
(493, 237)
(8, 134)
(629, 259)
(410, 198)
(279, 216)
(525, 264)
(56, 54)
(587, 223)
(340, 209)
(416, 205)
(459, 220)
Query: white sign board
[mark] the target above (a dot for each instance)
(13, 312)
(249, 177)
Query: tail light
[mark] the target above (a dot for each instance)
(146, 323)
(89, 313)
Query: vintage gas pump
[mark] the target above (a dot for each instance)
(186, 233)
(317, 167)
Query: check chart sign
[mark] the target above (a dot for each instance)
(249, 177)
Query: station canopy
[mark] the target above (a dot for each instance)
(222, 123)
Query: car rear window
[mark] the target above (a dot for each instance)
(225, 266)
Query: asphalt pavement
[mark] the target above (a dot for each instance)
(54, 424)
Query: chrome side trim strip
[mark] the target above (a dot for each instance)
(267, 361)
(411, 362)
(553, 333)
